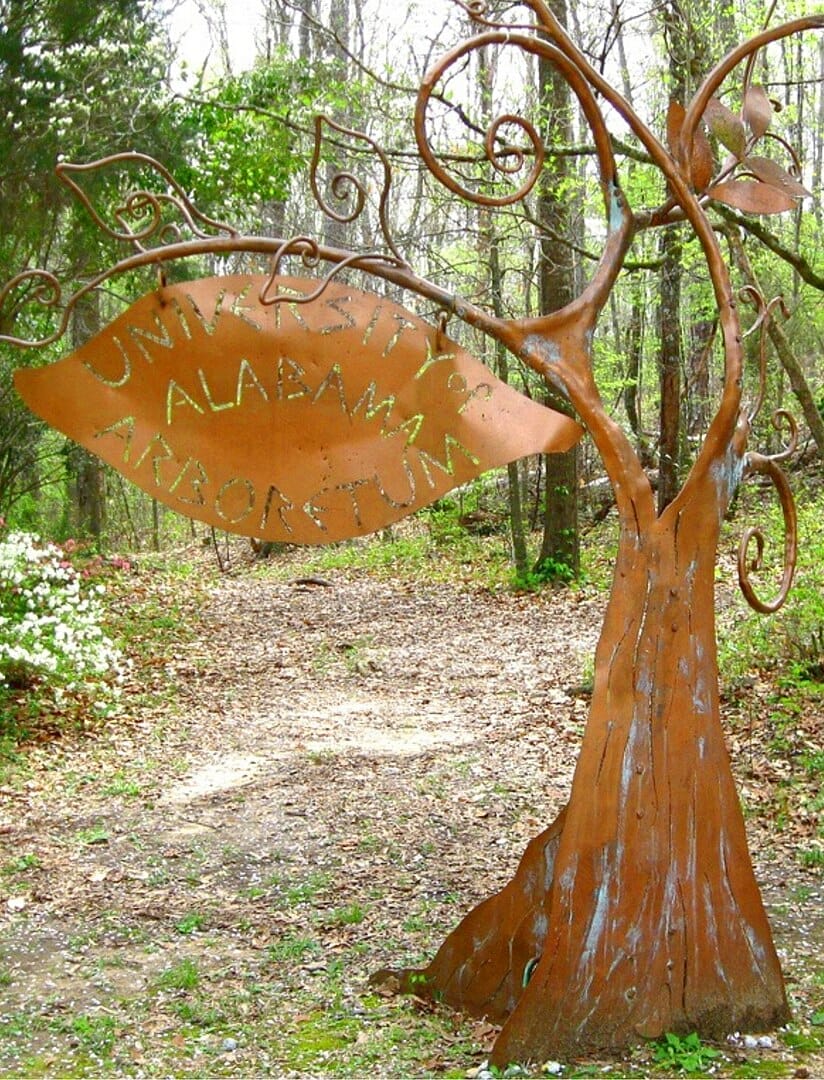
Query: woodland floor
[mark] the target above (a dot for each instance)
(203, 886)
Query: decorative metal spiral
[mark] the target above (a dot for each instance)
(37, 287)
(767, 466)
(509, 160)
(761, 326)
(348, 188)
(142, 203)
(309, 252)
(478, 10)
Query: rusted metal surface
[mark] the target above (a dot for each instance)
(304, 423)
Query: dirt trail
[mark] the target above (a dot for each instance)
(362, 761)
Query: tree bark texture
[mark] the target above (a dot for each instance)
(669, 369)
(637, 912)
(560, 545)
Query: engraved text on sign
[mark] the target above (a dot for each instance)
(303, 423)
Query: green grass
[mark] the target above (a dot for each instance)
(95, 834)
(21, 864)
(120, 785)
(190, 923)
(306, 891)
(761, 1070)
(292, 948)
(94, 1033)
(184, 975)
(347, 916)
(318, 1037)
(199, 1014)
(811, 1041)
(416, 557)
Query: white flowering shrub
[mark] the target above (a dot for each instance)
(51, 634)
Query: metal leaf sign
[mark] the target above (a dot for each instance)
(304, 423)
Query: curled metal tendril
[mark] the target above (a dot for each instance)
(493, 155)
(514, 158)
(45, 288)
(507, 159)
(760, 326)
(795, 168)
(766, 466)
(143, 204)
(309, 252)
(170, 233)
(345, 186)
(37, 287)
(779, 418)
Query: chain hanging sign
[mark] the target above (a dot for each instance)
(299, 421)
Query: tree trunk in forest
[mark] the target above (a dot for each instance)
(632, 388)
(517, 530)
(560, 547)
(637, 912)
(88, 490)
(687, 50)
(86, 472)
(698, 376)
(490, 256)
(669, 369)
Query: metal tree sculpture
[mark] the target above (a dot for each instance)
(637, 911)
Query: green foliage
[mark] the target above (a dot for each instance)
(812, 857)
(414, 556)
(190, 923)
(54, 653)
(683, 1053)
(240, 146)
(183, 975)
(348, 916)
(550, 571)
(793, 638)
(95, 1034)
(78, 80)
(96, 834)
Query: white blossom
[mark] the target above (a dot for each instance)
(48, 626)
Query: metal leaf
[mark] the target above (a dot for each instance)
(726, 127)
(757, 110)
(770, 172)
(752, 197)
(700, 165)
(161, 210)
(301, 422)
(675, 121)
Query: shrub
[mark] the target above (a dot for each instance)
(52, 644)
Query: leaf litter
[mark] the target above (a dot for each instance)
(340, 773)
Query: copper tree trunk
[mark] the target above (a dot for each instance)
(637, 912)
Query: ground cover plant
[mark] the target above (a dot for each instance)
(56, 658)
